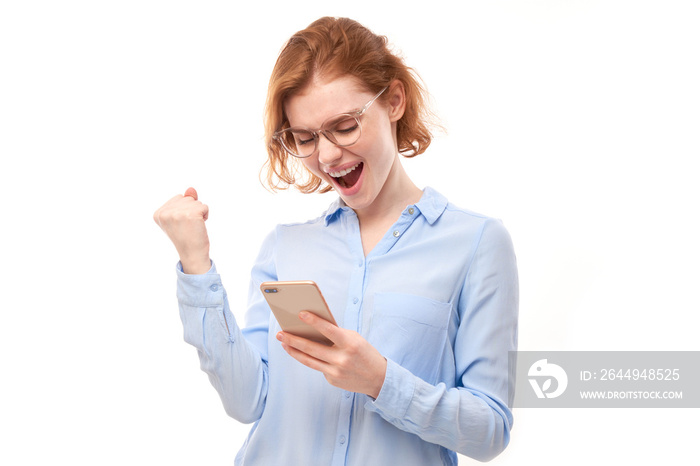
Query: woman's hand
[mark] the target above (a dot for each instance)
(351, 363)
(182, 219)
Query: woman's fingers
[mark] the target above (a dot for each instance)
(351, 363)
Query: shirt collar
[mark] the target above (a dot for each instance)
(431, 204)
(333, 211)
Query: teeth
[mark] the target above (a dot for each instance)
(343, 172)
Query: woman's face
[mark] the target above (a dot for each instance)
(360, 173)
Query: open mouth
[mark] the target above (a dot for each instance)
(347, 178)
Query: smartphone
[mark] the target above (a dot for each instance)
(287, 299)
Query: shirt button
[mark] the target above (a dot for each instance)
(396, 233)
(411, 211)
(342, 439)
(348, 394)
(214, 287)
(355, 300)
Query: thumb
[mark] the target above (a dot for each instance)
(191, 192)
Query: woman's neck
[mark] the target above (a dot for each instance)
(397, 193)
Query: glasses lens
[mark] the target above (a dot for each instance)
(345, 130)
(304, 142)
(299, 143)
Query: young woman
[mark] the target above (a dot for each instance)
(424, 293)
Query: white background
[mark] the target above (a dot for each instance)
(576, 122)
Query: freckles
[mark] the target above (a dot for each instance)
(311, 164)
(304, 162)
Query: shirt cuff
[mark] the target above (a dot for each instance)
(203, 290)
(396, 393)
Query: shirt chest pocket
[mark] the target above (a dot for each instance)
(411, 331)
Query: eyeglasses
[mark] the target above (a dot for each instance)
(342, 130)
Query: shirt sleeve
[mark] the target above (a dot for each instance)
(235, 360)
(474, 417)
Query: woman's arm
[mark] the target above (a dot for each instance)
(237, 368)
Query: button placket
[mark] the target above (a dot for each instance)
(350, 321)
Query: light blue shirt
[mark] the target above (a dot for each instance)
(437, 296)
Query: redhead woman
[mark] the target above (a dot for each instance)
(424, 293)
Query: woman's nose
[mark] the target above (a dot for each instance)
(327, 151)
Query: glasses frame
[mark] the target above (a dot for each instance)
(279, 135)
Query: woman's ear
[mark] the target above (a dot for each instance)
(396, 101)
